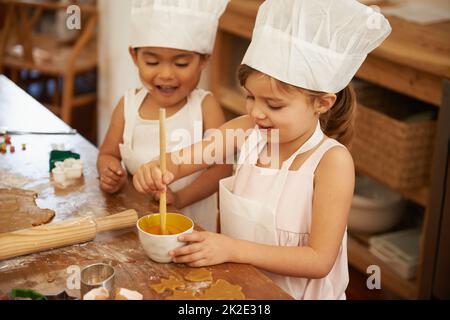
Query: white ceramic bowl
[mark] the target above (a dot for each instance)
(375, 208)
(157, 247)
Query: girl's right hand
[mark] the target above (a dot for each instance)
(149, 178)
(112, 177)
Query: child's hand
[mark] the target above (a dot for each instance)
(206, 249)
(149, 179)
(171, 197)
(112, 177)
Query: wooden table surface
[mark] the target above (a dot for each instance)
(47, 272)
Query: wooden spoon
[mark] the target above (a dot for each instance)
(162, 160)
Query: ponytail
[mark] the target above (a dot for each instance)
(338, 123)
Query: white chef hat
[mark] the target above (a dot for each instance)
(314, 44)
(178, 24)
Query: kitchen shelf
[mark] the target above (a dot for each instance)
(360, 258)
(416, 195)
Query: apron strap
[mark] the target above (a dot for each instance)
(277, 190)
(247, 154)
(250, 151)
(195, 106)
(254, 145)
(131, 110)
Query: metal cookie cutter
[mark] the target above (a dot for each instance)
(96, 276)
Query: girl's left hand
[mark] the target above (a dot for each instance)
(205, 249)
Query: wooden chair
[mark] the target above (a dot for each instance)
(22, 47)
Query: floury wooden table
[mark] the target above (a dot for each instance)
(51, 271)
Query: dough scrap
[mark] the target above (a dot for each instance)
(220, 290)
(97, 294)
(172, 283)
(223, 290)
(199, 275)
(18, 210)
(125, 294)
(182, 295)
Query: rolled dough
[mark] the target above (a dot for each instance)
(18, 210)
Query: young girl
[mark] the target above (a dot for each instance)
(289, 219)
(171, 42)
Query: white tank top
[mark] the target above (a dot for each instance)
(141, 145)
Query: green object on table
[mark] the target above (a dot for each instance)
(27, 294)
(57, 155)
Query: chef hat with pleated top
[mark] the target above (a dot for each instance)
(314, 44)
(178, 24)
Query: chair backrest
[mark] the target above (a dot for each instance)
(22, 17)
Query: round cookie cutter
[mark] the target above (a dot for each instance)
(96, 276)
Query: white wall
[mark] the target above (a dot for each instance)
(117, 72)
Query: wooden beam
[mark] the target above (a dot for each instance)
(237, 24)
(433, 217)
(414, 83)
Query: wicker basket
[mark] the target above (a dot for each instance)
(394, 152)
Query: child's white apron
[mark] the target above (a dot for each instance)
(244, 219)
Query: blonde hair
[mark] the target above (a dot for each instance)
(338, 123)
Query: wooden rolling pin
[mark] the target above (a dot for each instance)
(37, 239)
